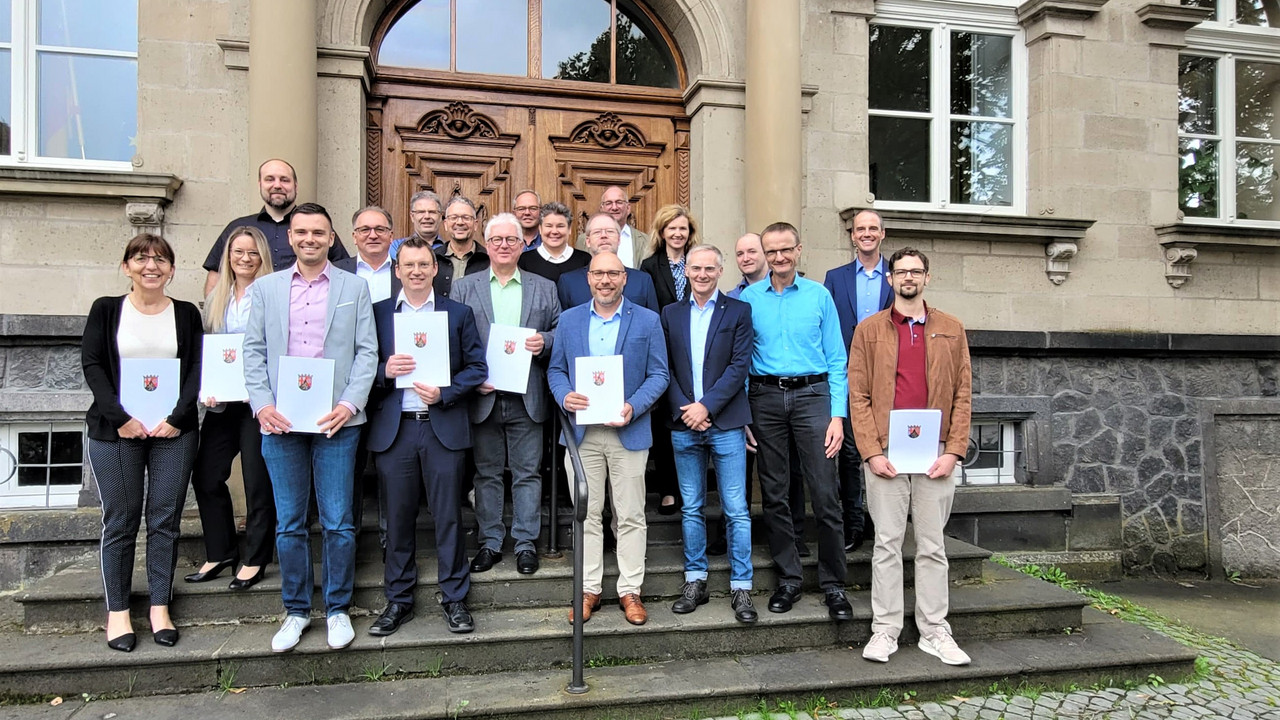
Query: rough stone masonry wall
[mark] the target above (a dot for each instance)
(1247, 455)
(1130, 426)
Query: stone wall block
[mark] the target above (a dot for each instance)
(65, 371)
(1087, 479)
(1104, 448)
(27, 367)
(1121, 480)
(1068, 401)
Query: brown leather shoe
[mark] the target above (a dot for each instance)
(633, 608)
(590, 601)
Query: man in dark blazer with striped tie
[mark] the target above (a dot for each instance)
(860, 289)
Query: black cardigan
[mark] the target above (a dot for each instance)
(100, 358)
(664, 286)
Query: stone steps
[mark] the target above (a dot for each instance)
(1105, 650)
(1003, 604)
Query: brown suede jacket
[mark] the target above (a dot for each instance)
(873, 369)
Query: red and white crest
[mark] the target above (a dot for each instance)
(228, 355)
(508, 346)
(420, 339)
(597, 376)
(150, 382)
(913, 431)
(304, 382)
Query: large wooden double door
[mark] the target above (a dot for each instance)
(488, 144)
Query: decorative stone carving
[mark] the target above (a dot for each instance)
(145, 215)
(1177, 263)
(608, 131)
(458, 121)
(1057, 261)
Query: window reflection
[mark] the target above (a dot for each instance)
(981, 163)
(1258, 12)
(643, 59)
(6, 123)
(980, 74)
(97, 24)
(87, 106)
(1198, 177)
(1197, 94)
(1206, 4)
(419, 38)
(493, 36)
(1256, 97)
(899, 68)
(575, 40)
(6, 20)
(899, 158)
(1256, 182)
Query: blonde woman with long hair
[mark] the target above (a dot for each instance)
(674, 232)
(229, 429)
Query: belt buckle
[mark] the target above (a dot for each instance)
(788, 383)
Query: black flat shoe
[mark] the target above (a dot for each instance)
(671, 509)
(395, 615)
(783, 598)
(458, 618)
(838, 606)
(212, 574)
(167, 638)
(123, 643)
(485, 560)
(526, 562)
(238, 584)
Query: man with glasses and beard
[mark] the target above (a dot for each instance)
(461, 255)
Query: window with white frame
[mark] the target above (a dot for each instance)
(1229, 115)
(947, 107)
(68, 83)
(41, 464)
(994, 447)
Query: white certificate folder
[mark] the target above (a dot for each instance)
(425, 336)
(149, 388)
(600, 379)
(913, 440)
(222, 368)
(304, 391)
(507, 359)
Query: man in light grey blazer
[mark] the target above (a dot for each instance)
(312, 310)
(510, 421)
(633, 244)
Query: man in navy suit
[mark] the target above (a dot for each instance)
(603, 237)
(709, 343)
(860, 290)
(615, 451)
(419, 437)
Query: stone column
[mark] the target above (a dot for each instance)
(282, 87)
(773, 139)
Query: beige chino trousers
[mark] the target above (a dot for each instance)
(605, 460)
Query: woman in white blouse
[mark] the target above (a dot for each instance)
(230, 429)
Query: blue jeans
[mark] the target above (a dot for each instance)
(294, 460)
(728, 450)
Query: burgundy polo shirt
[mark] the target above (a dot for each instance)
(911, 385)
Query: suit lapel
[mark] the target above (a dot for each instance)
(486, 301)
(717, 317)
(285, 290)
(526, 302)
(336, 282)
(622, 329)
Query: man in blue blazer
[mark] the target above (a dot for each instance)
(860, 290)
(419, 437)
(616, 451)
(312, 310)
(709, 344)
(603, 237)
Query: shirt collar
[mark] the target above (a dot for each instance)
(324, 273)
(616, 313)
(515, 278)
(715, 298)
(402, 299)
(901, 319)
(565, 253)
(769, 286)
(264, 216)
(386, 263)
(879, 267)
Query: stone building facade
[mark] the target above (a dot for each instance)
(1120, 327)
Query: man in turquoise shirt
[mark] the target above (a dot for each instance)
(799, 393)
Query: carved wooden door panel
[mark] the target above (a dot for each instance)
(489, 148)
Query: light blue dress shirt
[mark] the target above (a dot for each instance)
(868, 286)
(602, 335)
(699, 326)
(797, 332)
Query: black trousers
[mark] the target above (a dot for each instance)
(417, 465)
(223, 436)
(662, 479)
(800, 416)
(852, 498)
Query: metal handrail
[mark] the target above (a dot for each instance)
(578, 684)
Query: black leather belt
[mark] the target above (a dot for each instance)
(419, 415)
(789, 383)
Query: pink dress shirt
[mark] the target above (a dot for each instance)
(308, 306)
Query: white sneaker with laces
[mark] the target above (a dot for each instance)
(941, 645)
(290, 633)
(340, 632)
(879, 648)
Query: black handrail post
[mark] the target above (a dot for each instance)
(577, 685)
(553, 539)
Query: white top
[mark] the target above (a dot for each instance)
(409, 400)
(565, 253)
(379, 279)
(627, 248)
(236, 318)
(147, 336)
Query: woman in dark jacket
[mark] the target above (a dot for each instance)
(124, 454)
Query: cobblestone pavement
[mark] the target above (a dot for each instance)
(1237, 685)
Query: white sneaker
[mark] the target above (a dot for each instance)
(340, 632)
(941, 645)
(290, 633)
(879, 648)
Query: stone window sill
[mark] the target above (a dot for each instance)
(145, 195)
(1182, 240)
(1059, 236)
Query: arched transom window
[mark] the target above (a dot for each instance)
(598, 41)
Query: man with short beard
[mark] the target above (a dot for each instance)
(278, 184)
(910, 357)
(461, 255)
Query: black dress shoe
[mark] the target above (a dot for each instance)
(526, 562)
(691, 596)
(743, 610)
(238, 584)
(457, 617)
(213, 573)
(853, 541)
(838, 605)
(485, 560)
(123, 643)
(783, 598)
(167, 638)
(802, 549)
(395, 615)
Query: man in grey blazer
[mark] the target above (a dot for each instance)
(312, 310)
(503, 420)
